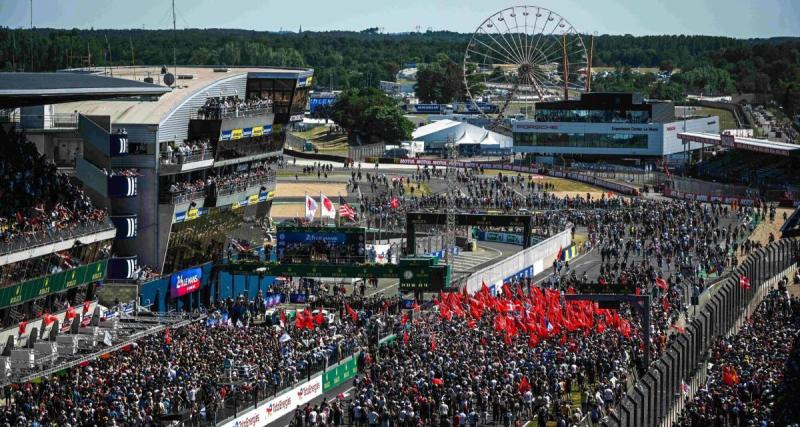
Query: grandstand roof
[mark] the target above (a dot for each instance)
(742, 143)
(24, 89)
(153, 111)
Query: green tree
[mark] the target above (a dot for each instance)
(370, 113)
(440, 82)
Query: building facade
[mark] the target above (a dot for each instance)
(181, 175)
(606, 125)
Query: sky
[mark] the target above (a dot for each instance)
(733, 18)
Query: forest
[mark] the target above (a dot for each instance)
(344, 60)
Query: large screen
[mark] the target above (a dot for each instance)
(185, 282)
(301, 245)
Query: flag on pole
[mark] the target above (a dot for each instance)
(345, 211)
(662, 284)
(107, 339)
(328, 211)
(395, 203)
(311, 208)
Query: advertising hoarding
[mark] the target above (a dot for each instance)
(279, 406)
(185, 282)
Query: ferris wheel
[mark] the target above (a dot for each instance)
(519, 56)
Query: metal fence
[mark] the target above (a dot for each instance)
(361, 152)
(656, 398)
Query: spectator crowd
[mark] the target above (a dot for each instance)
(233, 106)
(753, 376)
(37, 200)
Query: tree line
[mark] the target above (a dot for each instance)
(344, 60)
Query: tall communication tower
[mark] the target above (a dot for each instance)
(452, 193)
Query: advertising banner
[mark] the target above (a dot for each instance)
(185, 282)
(339, 374)
(279, 406)
(491, 236)
(53, 283)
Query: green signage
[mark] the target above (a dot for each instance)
(53, 283)
(338, 375)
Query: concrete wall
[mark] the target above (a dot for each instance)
(538, 257)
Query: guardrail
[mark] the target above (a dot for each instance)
(229, 112)
(183, 197)
(48, 121)
(179, 158)
(654, 399)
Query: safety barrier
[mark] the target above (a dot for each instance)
(656, 398)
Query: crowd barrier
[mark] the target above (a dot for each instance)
(655, 399)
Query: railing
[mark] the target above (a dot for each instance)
(182, 197)
(220, 113)
(227, 189)
(48, 121)
(32, 239)
(179, 158)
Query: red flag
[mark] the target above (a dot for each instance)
(283, 317)
(22, 326)
(665, 304)
(744, 282)
(560, 252)
(299, 321)
(533, 340)
(309, 319)
(600, 328)
(404, 319)
(319, 319)
(167, 336)
(86, 305)
(395, 203)
(48, 319)
(70, 313)
(438, 381)
(662, 284)
(680, 329)
(351, 312)
(415, 306)
(471, 324)
(433, 343)
(729, 375)
(405, 337)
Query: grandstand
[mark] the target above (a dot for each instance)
(200, 157)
